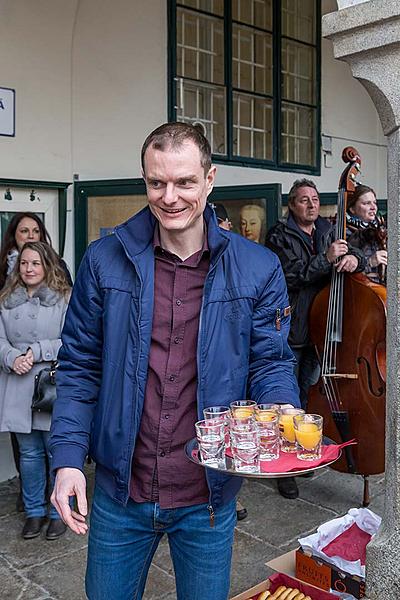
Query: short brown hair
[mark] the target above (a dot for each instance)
(174, 135)
(299, 183)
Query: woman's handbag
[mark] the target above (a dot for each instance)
(45, 393)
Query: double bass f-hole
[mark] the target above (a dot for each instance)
(381, 390)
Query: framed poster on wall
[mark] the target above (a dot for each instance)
(7, 112)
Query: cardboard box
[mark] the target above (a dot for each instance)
(285, 564)
(322, 574)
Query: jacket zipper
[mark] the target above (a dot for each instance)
(212, 515)
(278, 319)
(210, 506)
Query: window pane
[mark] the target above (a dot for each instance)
(212, 6)
(298, 19)
(298, 134)
(205, 103)
(200, 47)
(253, 12)
(252, 60)
(298, 72)
(252, 127)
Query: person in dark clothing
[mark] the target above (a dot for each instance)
(307, 250)
(367, 231)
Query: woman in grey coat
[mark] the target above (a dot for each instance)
(32, 309)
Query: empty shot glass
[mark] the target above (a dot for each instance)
(245, 449)
(286, 429)
(218, 414)
(268, 431)
(211, 439)
(308, 432)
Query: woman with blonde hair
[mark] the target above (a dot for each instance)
(33, 304)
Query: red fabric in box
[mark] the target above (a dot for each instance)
(350, 545)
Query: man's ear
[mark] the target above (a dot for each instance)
(210, 179)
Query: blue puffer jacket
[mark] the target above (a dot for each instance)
(242, 348)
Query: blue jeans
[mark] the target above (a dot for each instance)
(33, 448)
(123, 540)
(307, 371)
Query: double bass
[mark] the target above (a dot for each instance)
(348, 328)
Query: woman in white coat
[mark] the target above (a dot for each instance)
(32, 309)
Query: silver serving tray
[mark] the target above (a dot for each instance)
(192, 447)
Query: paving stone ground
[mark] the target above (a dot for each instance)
(38, 569)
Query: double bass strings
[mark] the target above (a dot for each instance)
(334, 319)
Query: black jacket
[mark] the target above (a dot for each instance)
(306, 273)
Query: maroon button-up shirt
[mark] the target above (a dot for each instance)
(160, 471)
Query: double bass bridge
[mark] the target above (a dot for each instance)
(340, 375)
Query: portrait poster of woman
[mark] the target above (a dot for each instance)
(248, 217)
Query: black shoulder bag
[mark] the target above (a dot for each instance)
(44, 393)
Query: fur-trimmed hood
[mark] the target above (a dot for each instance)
(46, 296)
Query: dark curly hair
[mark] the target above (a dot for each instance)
(9, 239)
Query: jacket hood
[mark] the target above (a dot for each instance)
(137, 233)
(46, 296)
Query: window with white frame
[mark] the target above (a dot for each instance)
(249, 71)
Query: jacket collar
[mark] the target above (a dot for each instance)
(137, 234)
(322, 225)
(46, 296)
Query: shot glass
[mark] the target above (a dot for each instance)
(245, 449)
(268, 431)
(219, 414)
(263, 411)
(211, 439)
(243, 408)
(308, 432)
(286, 429)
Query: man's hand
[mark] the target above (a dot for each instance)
(336, 250)
(71, 482)
(348, 263)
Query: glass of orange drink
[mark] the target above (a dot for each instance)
(308, 433)
(243, 409)
(286, 428)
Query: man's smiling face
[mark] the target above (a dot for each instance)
(177, 187)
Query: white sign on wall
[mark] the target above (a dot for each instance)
(7, 111)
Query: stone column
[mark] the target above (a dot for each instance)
(367, 37)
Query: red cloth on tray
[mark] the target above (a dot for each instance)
(350, 545)
(288, 462)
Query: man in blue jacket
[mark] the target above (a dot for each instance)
(169, 315)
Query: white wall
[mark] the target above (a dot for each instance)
(119, 84)
(91, 82)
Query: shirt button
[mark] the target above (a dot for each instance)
(177, 340)
(172, 377)
(162, 453)
(166, 416)
(178, 302)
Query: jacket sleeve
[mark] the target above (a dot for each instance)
(271, 372)
(79, 372)
(8, 353)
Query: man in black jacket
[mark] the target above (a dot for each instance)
(307, 250)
